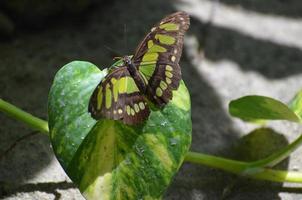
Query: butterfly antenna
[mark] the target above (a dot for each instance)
(125, 36)
(115, 52)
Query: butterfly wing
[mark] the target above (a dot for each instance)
(117, 97)
(158, 55)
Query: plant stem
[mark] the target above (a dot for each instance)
(255, 169)
(240, 168)
(25, 117)
(216, 162)
(277, 157)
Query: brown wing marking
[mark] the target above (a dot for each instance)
(167, 73)
(126, 105)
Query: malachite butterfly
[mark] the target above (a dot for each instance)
(146, 78)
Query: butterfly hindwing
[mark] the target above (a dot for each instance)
(158, 55)
(117, 97)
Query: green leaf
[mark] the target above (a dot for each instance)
(108, 159)
(251, 108)
(296, 104)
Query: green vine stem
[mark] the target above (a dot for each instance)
(277, 157)
(17, 113)
(258, 169)
(247, 169)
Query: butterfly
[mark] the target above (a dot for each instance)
(149, 76)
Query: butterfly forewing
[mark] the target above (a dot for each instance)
(158, 55)
(117, 97)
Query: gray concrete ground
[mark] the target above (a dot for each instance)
(250, 47)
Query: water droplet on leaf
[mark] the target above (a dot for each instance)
(127, 161)
(173, 141)
(140, 150)
(164, 123)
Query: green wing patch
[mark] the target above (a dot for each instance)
(117, 97)
(158, 55)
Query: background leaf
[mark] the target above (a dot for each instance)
(296, 104)
(250, 108)
(110, 160)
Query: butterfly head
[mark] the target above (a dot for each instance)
(127, 60)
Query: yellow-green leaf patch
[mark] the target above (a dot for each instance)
(107, 159)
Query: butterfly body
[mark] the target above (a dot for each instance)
(138, 77)
(149, 76)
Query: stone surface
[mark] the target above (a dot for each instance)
(244, 50)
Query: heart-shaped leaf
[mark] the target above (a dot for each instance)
(108, 159)
(251, 108)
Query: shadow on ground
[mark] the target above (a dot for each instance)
(50, 188)
(272, 60)
(213, 133)
(289, 8)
